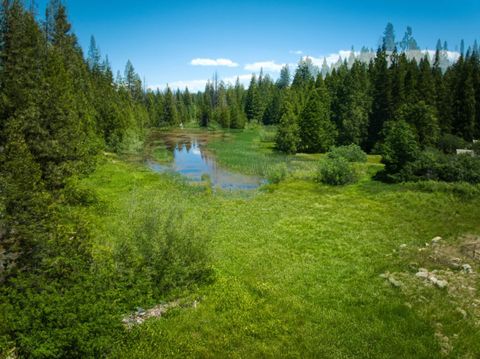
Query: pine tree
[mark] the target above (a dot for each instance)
(355, 109)
(317, 131)
(169, 115)
(272, 113)
(382, 108)
(389, 38)
(287, 139)
(423, 118)
(284, 79)
(132, 81)
(94, 56)
(253, 107)
(304, 75)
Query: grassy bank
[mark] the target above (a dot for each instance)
(297, 269)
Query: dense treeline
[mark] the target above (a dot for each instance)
(349, 102)
(356, 101)
(58, 110)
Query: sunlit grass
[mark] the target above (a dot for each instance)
(297, 267)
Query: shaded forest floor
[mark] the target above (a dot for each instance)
(303, 269)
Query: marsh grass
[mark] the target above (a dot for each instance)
(297, 268)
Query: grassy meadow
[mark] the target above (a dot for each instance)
(300, 269)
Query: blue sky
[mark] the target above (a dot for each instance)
(162, 38)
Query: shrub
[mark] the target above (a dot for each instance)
(399, 149)
(437, 166)
(336, 172)
(352, 153)
(277, 173)
(449, 143)
(476, 148)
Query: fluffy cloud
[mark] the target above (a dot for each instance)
(331, 58)
(213, 62)
(345, 54)
(269, 66)
(199, 85)
(296, 52)
(193, 85)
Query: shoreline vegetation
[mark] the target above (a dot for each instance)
(364, 242)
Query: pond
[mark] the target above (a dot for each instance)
(191, 159)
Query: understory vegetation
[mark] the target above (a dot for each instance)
(102, 257)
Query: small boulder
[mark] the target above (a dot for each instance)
(394, 282)
(440, 283)
(423, 275)
(467, 268)
(436, 240)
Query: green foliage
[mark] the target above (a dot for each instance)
(336, 171)
(317, 131)
(287, 139)
(450, 143)
(167, 248)
(352, 153)
(434, 165)
(400, 147)
(278, 173)
(423, 118)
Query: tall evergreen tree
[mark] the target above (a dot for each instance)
(287, 139)
(284, 79)
(382, 109)
(253, 106)
(317, 131)
(389, 43)
(169, 115)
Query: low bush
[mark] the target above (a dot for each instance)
(336, 172)
(352, 153)
(437, 166)
(450, 143)
(277, 173)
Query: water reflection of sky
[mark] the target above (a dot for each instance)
(192, 161)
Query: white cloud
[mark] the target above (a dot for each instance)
(345, 54)
(270, 66)
(244, 79)
(451, 55)
(193, 85)
(331, 58)
(213, 62)
(199, 85)
(296, 52)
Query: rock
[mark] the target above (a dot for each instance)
(403, 246)
(436, 240)
(394, 282)
(423, 275)
(467, 268)
(423, 270)
(455, 263)
(441, 283)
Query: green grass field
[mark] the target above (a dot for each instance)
(297, 265)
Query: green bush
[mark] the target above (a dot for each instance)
(277, 173)
(449, 143)
(437, 166)
(476, 148)
(336, 172)
(352, 153)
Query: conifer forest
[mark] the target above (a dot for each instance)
(328, 211)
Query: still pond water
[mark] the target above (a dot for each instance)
(192, 160)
